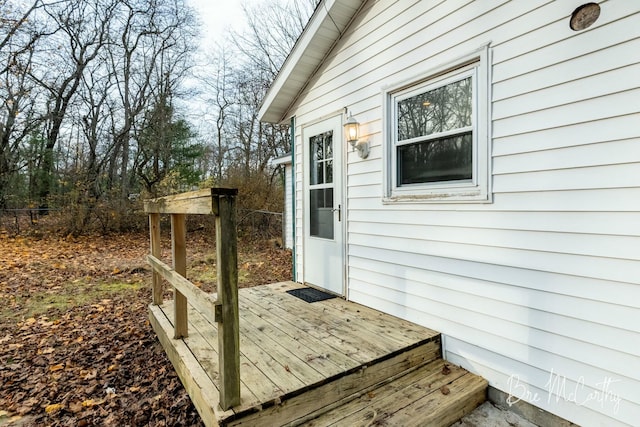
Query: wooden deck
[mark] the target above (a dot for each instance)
(324, 363)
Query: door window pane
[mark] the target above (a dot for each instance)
(328, 171)
(321, 213)
(321, 158)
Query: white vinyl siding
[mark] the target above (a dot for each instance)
(288, 206)
(545, 281)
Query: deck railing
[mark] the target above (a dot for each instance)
(219, 202)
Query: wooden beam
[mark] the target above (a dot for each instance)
(200, 300)
(192, 375)
(179, 254)
(228, 325)
(154, 237)
(193, 202)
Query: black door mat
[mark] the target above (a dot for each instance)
(310, 294)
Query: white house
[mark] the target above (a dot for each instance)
(500, 199)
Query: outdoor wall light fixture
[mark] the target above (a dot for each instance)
(352, 132)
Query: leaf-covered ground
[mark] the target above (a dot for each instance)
(76, 348)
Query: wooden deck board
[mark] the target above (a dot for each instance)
(413, 399)
(301, 349)
(401, 330)
(193, 376)
(349, 337)
(439, 410)
(313, 345)
(207, 355)
(310, 324)
(296, 357)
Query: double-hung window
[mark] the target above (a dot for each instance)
(437, 130)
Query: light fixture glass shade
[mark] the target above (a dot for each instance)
(351, 129)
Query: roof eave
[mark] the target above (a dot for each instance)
(322, 32)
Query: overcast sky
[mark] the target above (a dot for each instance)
(217, 16)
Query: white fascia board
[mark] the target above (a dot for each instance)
(293, 75)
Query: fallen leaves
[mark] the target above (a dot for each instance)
(49, 409)
(47, 350)
(76, 347)
(90, 402)
(65, 349)
(116, 372)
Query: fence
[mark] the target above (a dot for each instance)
(16, 220)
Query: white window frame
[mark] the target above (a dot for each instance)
(478, 188)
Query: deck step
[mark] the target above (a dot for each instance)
(436, 394)
(296, 409)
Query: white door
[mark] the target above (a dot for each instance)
(323, 205)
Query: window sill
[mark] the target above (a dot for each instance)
(461, 196)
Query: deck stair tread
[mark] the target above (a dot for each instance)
(436, 394)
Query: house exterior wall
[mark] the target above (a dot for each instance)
(539, 290)
(288, 206)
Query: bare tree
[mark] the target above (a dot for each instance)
(273, 28)
(81, 30)
(155, 43)
(89, 91)
(220, 95)
(18, 39)
(243, 70)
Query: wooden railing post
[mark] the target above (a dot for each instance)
(227, 312)
(179, 254)
(154, 237)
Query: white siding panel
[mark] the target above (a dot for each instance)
(611, 223)
(604, 291)
(532, 347)
(546, 279)
(616, 152)
(576, 307)
(299, 258)
(558, 325)
(586, 178)
(404, 51)
(526, 345)
(574, 265)
(577, 90)
(288, 207)
(609, 200)
(593, 63)
(364, 178)
(575, 134)
(617, 104)
(622, 247)
(556, 49)
(517, 378)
